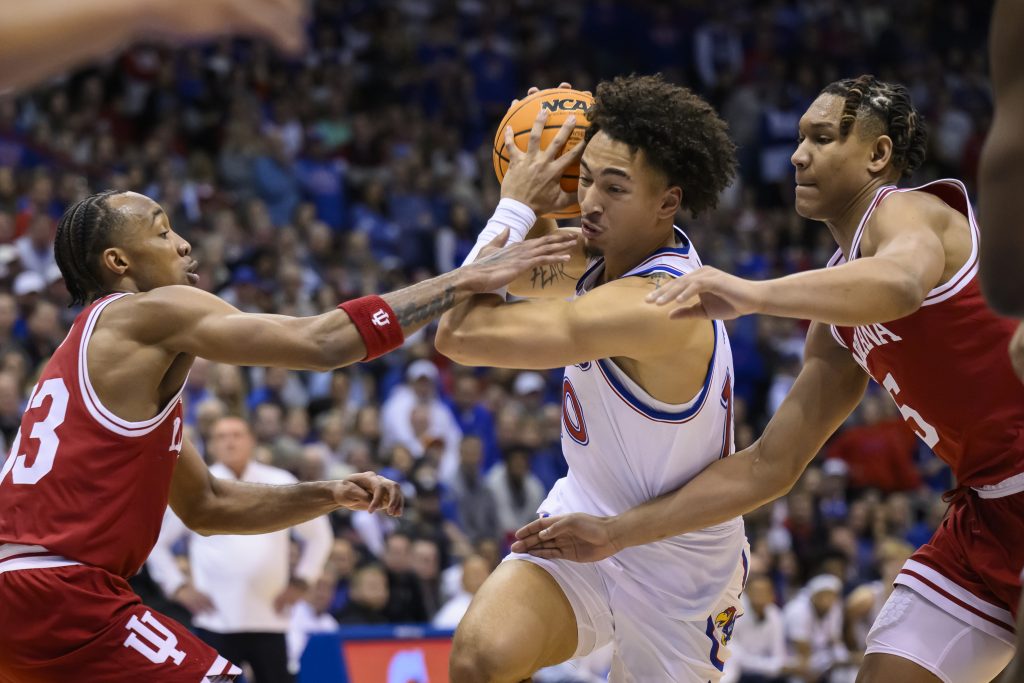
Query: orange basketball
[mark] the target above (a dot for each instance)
(561, 102)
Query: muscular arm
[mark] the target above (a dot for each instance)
(209, 505)
(902, 260)
(551, 333)
(38, 39)
(828, 388)
(189, 321)
(1001, 172)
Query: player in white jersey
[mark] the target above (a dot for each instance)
(643, 412)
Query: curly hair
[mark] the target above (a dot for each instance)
(889, 107)
(83, 232)
(680, 134)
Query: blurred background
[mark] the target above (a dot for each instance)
(365, 165)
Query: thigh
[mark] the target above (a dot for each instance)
(101, 632)
(916, 641)
(520, 616)
(268, 657)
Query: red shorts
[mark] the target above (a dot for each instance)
(79, 623)
(971, 566)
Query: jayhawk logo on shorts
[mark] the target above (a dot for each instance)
(725, 622)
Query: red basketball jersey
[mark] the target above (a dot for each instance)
(79, 481)
(946, 365)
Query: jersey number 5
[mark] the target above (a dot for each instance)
(44, 431)
(924, 430)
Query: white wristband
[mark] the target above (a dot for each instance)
(511, 214)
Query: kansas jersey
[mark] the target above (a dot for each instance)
(947, 368)
(624, 448)
(82, 485)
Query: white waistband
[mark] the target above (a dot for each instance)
(1007, 487)
(15, 556)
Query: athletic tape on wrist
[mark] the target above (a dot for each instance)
(511, 214)
(376, 323)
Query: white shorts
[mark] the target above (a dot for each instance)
(649, 644)
(912, 627)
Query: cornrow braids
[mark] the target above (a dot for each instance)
(83, 232)
(889, 105)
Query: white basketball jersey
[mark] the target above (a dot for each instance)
(625, 447)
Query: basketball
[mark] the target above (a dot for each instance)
(562, 103)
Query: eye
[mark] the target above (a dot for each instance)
(800, 139)
(615, 189)
(165, 233)
(585, 181)
(824, 139)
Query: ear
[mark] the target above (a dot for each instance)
(114, 260)
(670, 202)
(881, 154)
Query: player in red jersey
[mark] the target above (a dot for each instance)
(100, 452)
(900, 303)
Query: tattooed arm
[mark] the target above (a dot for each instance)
(185, 320)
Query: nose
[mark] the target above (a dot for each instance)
(184, 248)
(800, 157)
(589, 205)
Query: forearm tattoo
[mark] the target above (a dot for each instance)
(419, 311)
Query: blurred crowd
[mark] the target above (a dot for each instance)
(366, 165)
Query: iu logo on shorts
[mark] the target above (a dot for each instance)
(153, 639)
(381, 318)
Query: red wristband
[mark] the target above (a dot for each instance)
(377, 325)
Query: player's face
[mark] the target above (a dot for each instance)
(619, 195)
(830, 171)
(156, 255)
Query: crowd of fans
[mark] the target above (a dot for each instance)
(365, 166)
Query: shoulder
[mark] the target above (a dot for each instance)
(910, 208)
(154, 314)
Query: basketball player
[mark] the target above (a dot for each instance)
(40, 38)
(901, 303)
(100, 452)
(642, 413)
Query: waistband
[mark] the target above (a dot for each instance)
(15, 556)
(1007, 487)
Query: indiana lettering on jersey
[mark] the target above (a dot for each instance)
(867, 337)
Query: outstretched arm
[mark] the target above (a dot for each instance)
(829, 387)
(903, 259)
(41, 38)
(1001, 171)
(186, 320)
(209, 505)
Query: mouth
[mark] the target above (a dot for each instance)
(590, 231)
(191, 274)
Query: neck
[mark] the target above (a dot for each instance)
(621, 262)
(238, 470)
(844, 226)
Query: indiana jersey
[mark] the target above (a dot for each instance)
(82, 485)
(625, 447)
(946, 365)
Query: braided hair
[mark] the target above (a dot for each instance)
(889, 107)
(84, 231)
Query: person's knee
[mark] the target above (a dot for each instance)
(475, 659)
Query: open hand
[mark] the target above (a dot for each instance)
(534, 176)
(498, 265)
(371, 492)
(709, 293)
(578, 537)
(295, 590)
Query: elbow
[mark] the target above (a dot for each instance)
(906, 297)
(451, 343)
